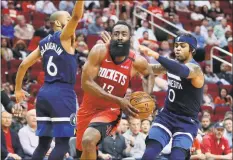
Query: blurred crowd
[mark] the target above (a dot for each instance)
(25, 23)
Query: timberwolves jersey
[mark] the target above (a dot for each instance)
(183, 98)
(59, 66)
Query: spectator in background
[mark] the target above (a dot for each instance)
(96, 27)
(229, 46)
(7, 28)
(200, 39)
(211, 39)
(215, 146)
(220, 30)
(45, 30)
(46, 7)
(128, 93)
(145, 126)
(114, 147)
(195, 151)
(11, 148)
(164, 49)
(156, 7)
(135, 138)
(207, 98)
(206, 113)
(10, 10)
(27, 134)
(145, 27)
(23, 30)
(181, 6)
(6, 52)
(170, 11)
(224, 99)
(204, 27)
(20, 50)
(218, 9)
(205, 12)
(28, 6)
(196, 14)
(148, 42)
(225, 74)
(124, 125)
(177, 23)
(211, 77)
(67, 5)
(205, 125)
(228, 130)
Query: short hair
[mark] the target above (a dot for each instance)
(146, 120)
(120, 22)
(145, 32)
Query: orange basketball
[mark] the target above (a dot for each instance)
(143, 102)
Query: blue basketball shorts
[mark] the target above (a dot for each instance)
(56, 107)
(168, 125)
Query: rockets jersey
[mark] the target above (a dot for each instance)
(113, 78)
(58, 65)
(183, 98)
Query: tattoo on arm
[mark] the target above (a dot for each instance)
(158, 69)
(195, 70)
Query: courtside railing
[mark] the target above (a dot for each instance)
(212, 56)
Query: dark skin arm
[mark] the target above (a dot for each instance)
(141, 66)
(90, 73)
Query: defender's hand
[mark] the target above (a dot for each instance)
(17, 110)
(106, 37)
(21, 95)
(127, 108)
(147, 51)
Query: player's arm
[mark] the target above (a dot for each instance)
(157, 69)
(141, 66)
(27, 62)
(71, 26)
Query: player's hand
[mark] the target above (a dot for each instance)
(17, 110)
(106, 156)
(21, 95)
(127, 108)
(15, 156)
(147, 51)
(106, 37)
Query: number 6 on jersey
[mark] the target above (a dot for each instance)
(51, 64)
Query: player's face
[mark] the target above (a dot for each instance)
(182, 51)
(145, 126)
(120, 42)
(64, 19)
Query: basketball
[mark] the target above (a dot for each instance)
(143, 102)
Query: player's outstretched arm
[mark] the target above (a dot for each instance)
(90, 73)
(77, 13)
(27, 62)
(141, 66)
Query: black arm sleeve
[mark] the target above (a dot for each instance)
(6, 102)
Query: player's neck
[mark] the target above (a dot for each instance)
(189, 59)
(55, 29)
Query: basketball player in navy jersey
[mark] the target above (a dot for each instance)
(56, 100)
(179, 118)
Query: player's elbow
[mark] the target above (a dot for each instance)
(23, 66)
(75, 17)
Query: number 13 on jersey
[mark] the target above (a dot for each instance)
(108, 88)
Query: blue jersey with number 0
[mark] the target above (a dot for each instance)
(183, 98)
(59, 66)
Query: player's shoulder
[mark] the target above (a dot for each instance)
(98, 52)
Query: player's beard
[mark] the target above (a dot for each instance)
(119, 49)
